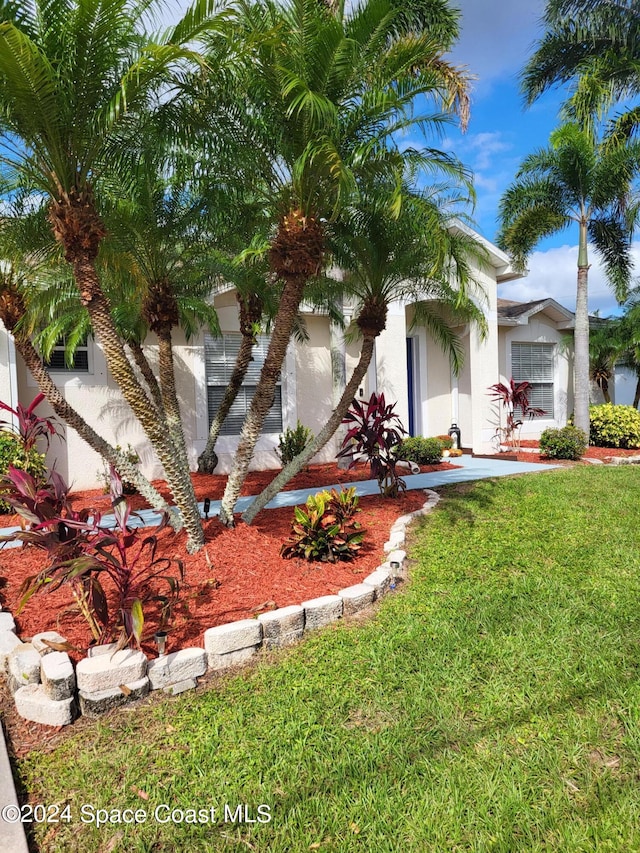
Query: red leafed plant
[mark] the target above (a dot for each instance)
(514, 397)
(83, 548)
(31, 427)
(375, 432)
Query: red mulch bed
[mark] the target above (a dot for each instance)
(238, 574)
(604, 453)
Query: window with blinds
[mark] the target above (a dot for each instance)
(220, 357)
(534, 363)
(80, 363)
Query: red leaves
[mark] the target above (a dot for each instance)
(81, 550)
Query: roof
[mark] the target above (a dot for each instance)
(498, 259)
(512, 313)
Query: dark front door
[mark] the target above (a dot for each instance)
(411, 388)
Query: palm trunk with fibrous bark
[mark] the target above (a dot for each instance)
(178, 478)
(72, 418)
(77, 226)
(326, 433)
(250, 312)
(295, 256)
(147, 373)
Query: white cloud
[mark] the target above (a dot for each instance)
(554, 272)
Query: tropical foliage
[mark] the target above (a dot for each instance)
(326, 529)
(513, 400)
(374, 433)
(614, 426)
(584, 183)
(82, 553)
(566, 443)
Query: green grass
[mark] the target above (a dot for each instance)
(492, 705)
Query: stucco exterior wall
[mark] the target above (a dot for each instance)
(541, 329)
(391, 362)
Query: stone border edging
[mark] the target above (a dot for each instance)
(47, 688)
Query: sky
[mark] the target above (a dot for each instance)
(496, 40)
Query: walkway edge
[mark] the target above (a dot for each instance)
(12, 837)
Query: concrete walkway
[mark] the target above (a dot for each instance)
(471, 469)
(11, 835)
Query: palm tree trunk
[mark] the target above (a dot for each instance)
(178, 478)
(636, 398)
(296, 465)
(144, 367)
(581, 338)
(264, 396)
(208, 460)
(173, 417)
(61, 407)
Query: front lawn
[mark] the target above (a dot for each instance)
(491, 705)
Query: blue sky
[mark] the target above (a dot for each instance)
(496, 40)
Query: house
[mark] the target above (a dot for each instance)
(526, 341)
(535, 344)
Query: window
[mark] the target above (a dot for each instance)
(80, 363)
(220, 357)
(534, 363)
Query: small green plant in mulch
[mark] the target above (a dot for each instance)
(422, 451)
(292, 442)
(325, 529)
(19, 438)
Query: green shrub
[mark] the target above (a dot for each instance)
(614, 426)
(326, 531)
(423, 451)
(292, 442)
(566, 443)
(446, 441)
(12, 452)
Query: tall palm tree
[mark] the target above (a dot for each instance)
(30, 271)
(594, 47)
(423, 256)
(71, 73)
(586, 184)
(328, 91)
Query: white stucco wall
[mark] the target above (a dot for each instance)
(623, 386)
(8, 373)
(391, 362)
(541, 329)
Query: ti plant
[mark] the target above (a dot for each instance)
(514, 398)
(31, 427)
(326, 530)
(375, 432)
(113, 572)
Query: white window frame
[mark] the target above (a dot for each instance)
(62, 368)
(541, 373)
(226, 365)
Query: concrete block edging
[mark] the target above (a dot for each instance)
(275, 628)
(225, 646)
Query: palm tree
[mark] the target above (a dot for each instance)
(72, 73)
(605, 348)
(594, 47)
(577, 181)
(423, 255)
(30, 272)
(327, 93)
